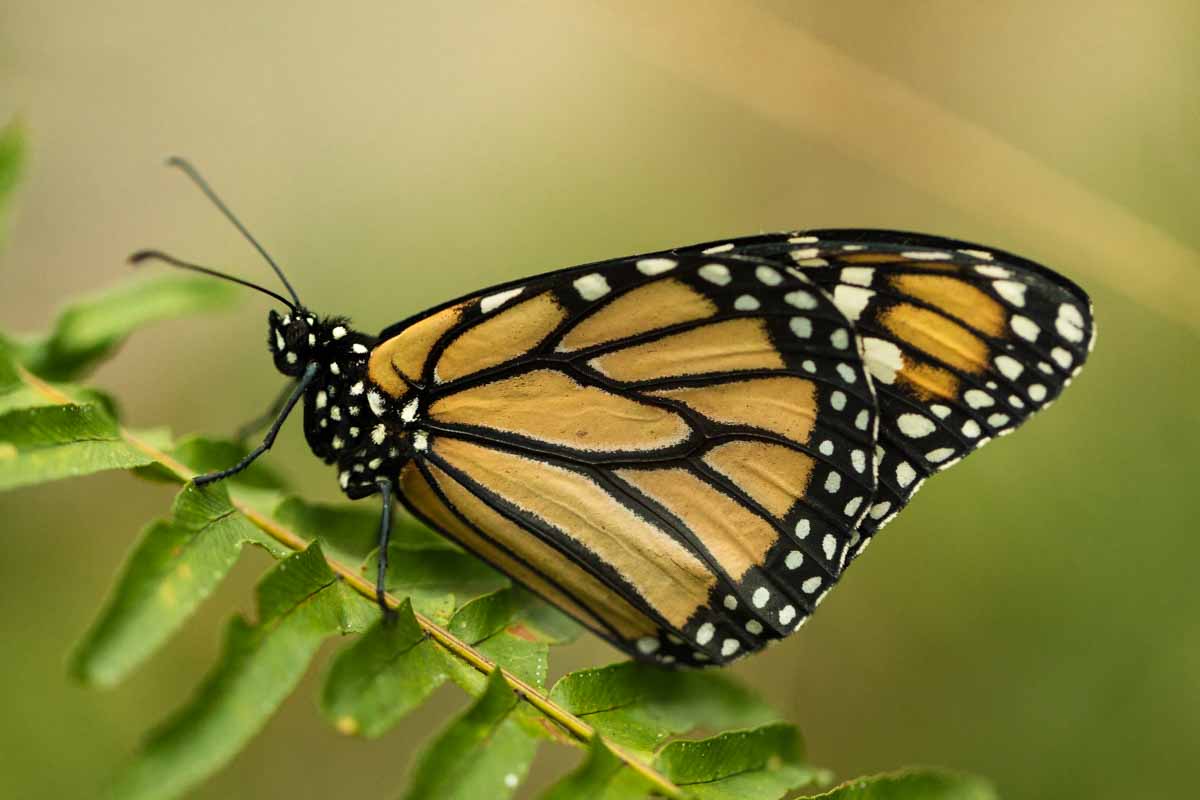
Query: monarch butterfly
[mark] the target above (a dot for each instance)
(683, 450)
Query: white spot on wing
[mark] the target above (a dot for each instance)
(720, 248)
(494, 301)
(915, 426)
(592, 286)
(1011, 291)
(768, 276)
(852, 300)
(746, 302)
(859, 276)
(715, 273)
(655, 266)
(1025, 327)
(800, 299)
(882, 359)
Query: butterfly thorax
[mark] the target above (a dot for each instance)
(348, 420)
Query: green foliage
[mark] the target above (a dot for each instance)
(384, 674)
(483, 753)
(459, 619)
(300, 603)
(175, 565)
(88, 331)
(916, 784)
(642, 705)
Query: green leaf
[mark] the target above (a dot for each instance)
(764, 763)
(484, 753)
(300, 603)
(176, 564)
(640, 705)
(351, 531)
(602, 776)
(46, 443)
(914, 784)
(12, 163)
(386, 673)
(492, 624)
(87, 331)
(436, 579)
(203, 454)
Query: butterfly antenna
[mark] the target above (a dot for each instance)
(191, 172)
(158, 255)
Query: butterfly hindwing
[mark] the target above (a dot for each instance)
(963, 342)
(677, 450)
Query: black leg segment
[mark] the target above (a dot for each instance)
(310, 372)
(263, 420)
(385, 534)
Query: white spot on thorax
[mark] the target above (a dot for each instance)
(358, 347)
(375, 401)
(334, 368)
(291, 357)
(279, 342)
(338, 332)
(357, 388)
(322, 399)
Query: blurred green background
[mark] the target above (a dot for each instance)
(1033, 616)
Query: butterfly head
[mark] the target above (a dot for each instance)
(293, 338)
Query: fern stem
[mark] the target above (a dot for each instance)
(576, 727)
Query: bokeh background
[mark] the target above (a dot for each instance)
(1033, 616)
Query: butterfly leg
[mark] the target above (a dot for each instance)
(385, 534)
(297, 392)
(266, 418)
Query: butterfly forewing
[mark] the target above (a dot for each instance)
(677, 450)
(963, 343)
